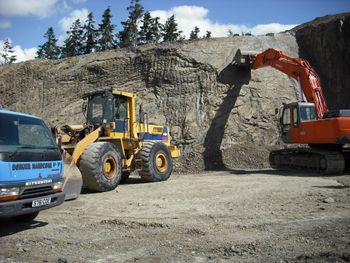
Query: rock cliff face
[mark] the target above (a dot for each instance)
(325, 43)
(221, 116)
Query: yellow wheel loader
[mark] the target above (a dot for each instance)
(112, 144)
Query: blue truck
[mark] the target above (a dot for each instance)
(31, 167)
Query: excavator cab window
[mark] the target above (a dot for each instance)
(285, 120)
(295, 116)
(307, 112)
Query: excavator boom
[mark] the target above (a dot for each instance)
(296, 68)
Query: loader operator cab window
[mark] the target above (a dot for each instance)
(99, 109)
(307, 112)
(121, 108)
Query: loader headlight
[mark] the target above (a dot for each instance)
(11, 193)
(57, 186)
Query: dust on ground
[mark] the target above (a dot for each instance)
(231, 216)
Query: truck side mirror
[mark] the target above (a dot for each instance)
(276, 111)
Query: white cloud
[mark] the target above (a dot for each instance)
(187, 17)
(5, 24)
(66, 22)
(22, 54)
(39, 8)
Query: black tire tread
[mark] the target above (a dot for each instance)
(89, 167)
(147, 173)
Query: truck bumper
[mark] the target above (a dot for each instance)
(24, 206)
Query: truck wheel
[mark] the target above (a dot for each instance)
(157, 163)
(26, 217)
(101, 166)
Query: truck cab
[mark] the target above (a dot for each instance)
(31, 167)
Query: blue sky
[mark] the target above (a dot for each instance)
(26, 21)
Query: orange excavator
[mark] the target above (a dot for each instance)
(308, 122)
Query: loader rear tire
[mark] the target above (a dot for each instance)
(100, 165)
(157, 163)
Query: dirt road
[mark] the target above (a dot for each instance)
(233, 216)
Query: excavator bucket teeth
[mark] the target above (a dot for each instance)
(244, 58)
(73, 180)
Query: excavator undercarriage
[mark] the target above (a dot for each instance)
(308, 159)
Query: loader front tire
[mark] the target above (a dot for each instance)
(100, 166)
(156, 161)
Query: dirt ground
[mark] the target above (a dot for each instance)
(231, 216)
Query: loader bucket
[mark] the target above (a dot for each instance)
(73, 180)
(244, 58)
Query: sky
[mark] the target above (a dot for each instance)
(25, 22)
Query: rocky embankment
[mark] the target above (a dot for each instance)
(221, 116)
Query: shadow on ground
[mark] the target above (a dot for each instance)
(9, 227)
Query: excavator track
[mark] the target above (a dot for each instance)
(314, 160)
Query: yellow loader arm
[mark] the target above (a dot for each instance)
(81, 145)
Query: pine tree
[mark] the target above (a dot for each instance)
(155, 29)
(7, 53)
(229, 33)
(149, 30)
(49, 50)
(73, 45)
(90, 34)
(170, 31)
(194, 33)
(128, 36)
(106, 38)
(208, 34)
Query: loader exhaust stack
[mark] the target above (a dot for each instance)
(244, 58)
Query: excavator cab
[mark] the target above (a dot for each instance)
(291, 118)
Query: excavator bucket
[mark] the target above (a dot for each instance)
(244, 58)
(73, 180)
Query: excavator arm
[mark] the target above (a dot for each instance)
(296, 68)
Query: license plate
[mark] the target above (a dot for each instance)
(41, 202)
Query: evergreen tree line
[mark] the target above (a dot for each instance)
(84, 37)
(7, 53)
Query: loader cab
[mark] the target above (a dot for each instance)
(292, 115)
(110, 109)
(99, 108)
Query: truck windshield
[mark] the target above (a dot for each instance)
(24, 132)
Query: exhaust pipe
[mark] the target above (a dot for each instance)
(244, 58)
